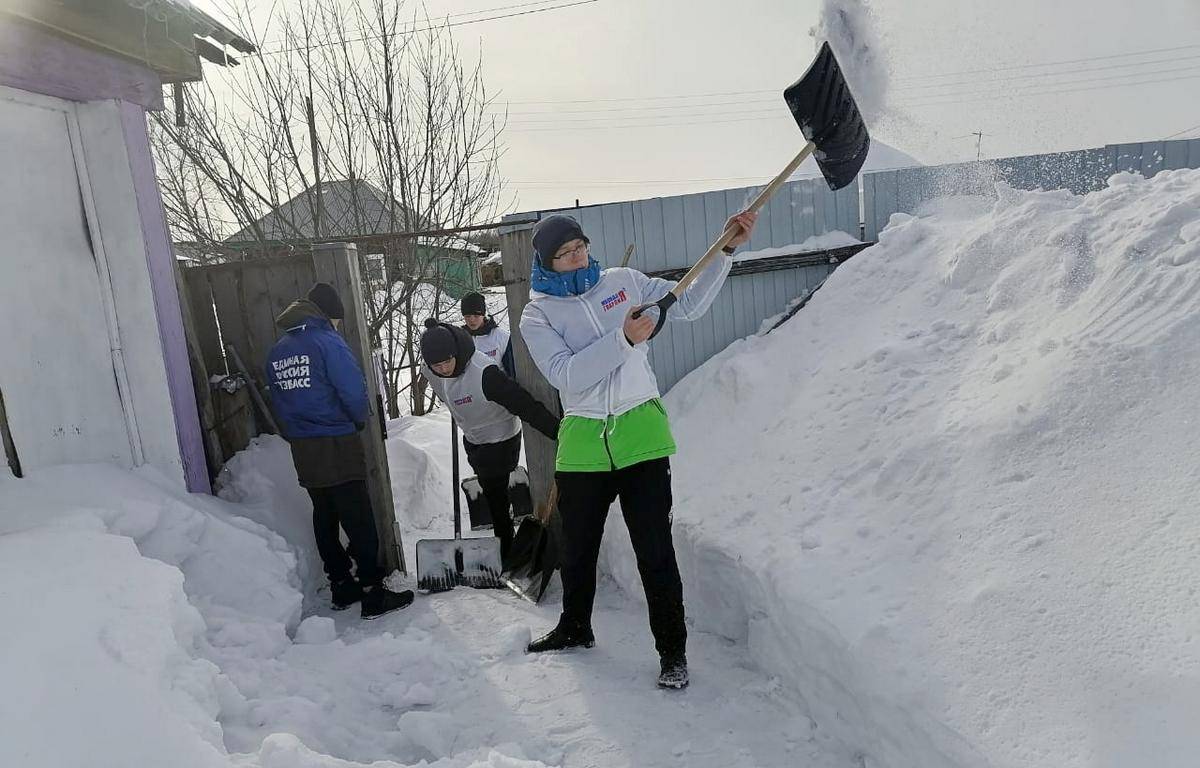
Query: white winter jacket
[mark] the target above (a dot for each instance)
(580, 347)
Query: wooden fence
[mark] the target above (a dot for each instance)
(235, 305)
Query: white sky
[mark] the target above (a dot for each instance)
(578, 60)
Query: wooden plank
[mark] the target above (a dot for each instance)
(198, 294)
(201, 388)
(337, 264)
(255, 301)
(517, 247)
(224, 285)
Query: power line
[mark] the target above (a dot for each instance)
(639, 120)
(363, 31)
(406, 32)
(616, 183)
(605, 112)
(975, 89)
(1022, 94)
(671, 97)
(1191, 46)
(782, 109)
(1085, 70)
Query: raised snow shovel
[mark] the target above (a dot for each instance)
(829, 118)
(444, 564)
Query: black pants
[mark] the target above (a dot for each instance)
(645, 493)
(493, 464)
(495, 490)
(347, 505)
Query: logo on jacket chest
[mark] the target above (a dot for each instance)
(617, 298)
(464, 400)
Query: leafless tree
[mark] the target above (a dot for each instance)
(364, 117)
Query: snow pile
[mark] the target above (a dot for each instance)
(262, 480)
(102, 645)
(952, 500)
(147, 626)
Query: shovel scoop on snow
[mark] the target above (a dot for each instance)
(443, 564)
(829, 118)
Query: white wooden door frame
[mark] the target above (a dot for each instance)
(98, 253)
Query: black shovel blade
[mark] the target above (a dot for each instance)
(534, 560)
(827, 114)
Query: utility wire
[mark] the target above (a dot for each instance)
(406, 32)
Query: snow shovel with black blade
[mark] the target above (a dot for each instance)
(535, 551)
(828, 116)
(443, 564)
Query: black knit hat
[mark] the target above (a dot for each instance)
(441, 342)
(325, 296)
(474, 304)
(550, 233)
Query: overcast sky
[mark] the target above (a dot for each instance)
(593, 91)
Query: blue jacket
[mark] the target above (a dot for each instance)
(317, 387)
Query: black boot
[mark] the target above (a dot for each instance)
(345, 593)
(379, 600)
(673, 672)
(565, 635)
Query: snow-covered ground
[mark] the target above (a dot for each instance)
(145, 626)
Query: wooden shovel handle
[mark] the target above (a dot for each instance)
(759, 201)
(727, 235)
(546, 508)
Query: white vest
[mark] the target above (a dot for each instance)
(481, 421)
(493, 344)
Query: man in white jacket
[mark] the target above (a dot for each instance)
(615, 439)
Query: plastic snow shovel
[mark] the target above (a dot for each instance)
(535, 551)
(828, 116)
(444, 564)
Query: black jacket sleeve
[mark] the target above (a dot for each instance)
(499, 388)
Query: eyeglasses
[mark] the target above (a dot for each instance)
(570, 252)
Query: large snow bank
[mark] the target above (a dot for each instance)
(952, 500)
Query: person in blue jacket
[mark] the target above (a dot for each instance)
(320, 397)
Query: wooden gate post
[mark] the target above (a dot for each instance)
(516, 243)
(337, 264)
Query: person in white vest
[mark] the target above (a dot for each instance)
(615, 439)
(490, 338)
(489, 407)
